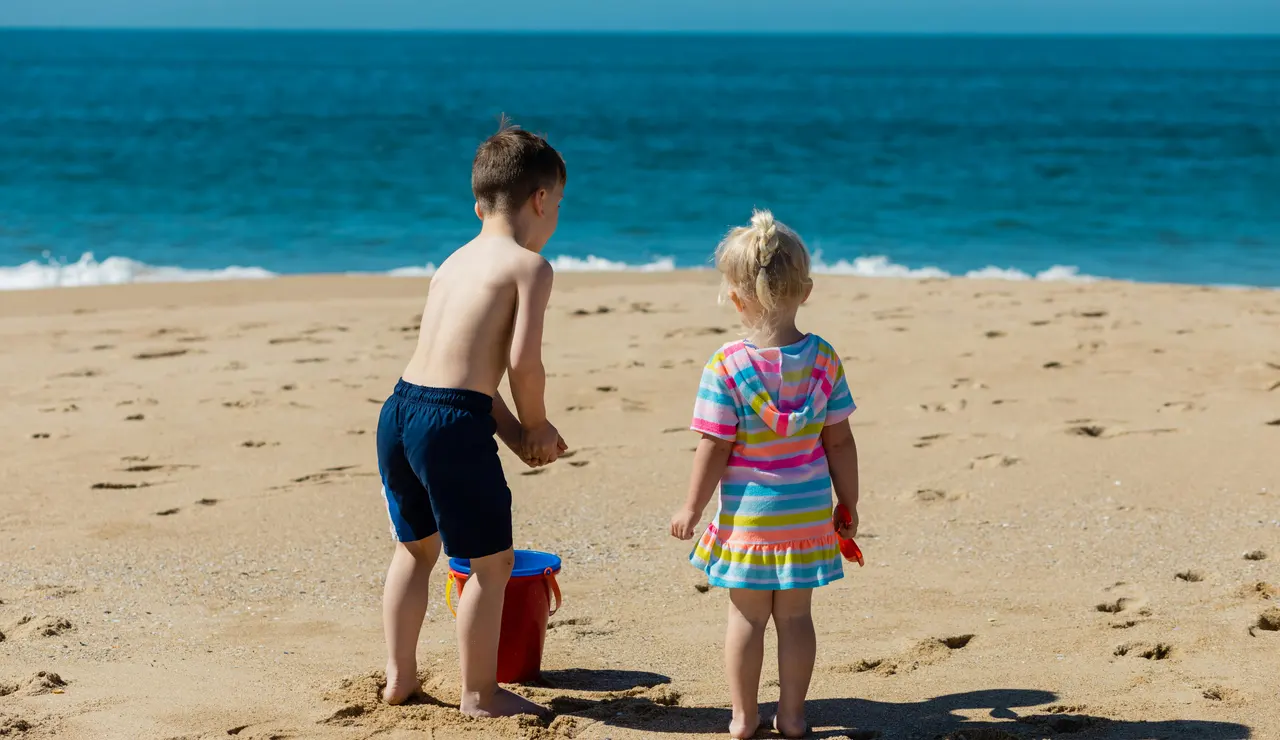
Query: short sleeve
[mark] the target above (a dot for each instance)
(715, 412)
(840, 403)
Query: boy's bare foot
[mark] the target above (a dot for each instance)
(790, 727)
(743, 727)
(502, 703)
(399, 690)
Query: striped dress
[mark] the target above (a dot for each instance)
(773, 529)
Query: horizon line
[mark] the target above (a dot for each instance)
(637, 32)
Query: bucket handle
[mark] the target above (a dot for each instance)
(553, 591)
(552, 588)
(448, 594)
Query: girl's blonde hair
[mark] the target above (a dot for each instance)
(766, 262)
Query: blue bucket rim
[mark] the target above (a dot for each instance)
(528, 563)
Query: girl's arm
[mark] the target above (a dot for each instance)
(709, 463)
(842, 459)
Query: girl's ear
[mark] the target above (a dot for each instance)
(479, 213)
(736, 299)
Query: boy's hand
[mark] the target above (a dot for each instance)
(684, 522)
(534, 462)
(542, 445)
(850, 530)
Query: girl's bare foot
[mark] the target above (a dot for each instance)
(399, 690)
(743, 727)
(790, 727)
(501, 703)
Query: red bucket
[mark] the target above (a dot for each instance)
(525, 609)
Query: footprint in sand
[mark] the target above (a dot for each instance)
(992, 462)
(933, 496)
(950, 407)
(207, 502)
(44, 682)
(40, 435)
(329, 474)
(168, 512)
(108, 486)
(924, 653)
(13, 725)
(1274, 423)
(135, 417)
(599, 310)
(1190, 576)
(1255, 555)
(1221, 693)
(1147, 650)
(1088, 430)
(160, 354)
(929, 439)
(579, 463)
(145, 468)
(705, 331)
(43, 626)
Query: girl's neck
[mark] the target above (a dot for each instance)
(777, 333)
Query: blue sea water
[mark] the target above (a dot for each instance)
(1151, 159)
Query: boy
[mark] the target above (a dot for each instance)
(436, 453)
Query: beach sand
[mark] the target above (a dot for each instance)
(1061, 483)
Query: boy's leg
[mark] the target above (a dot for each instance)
(743, 655)
(404, 605)
(479, 627)
(797, 649)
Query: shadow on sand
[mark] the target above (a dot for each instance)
(1013, 715)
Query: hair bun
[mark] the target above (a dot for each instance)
(766, 233)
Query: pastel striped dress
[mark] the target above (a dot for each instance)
(773, 529)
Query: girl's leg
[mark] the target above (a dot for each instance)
(797, 649)
(404, 606)
(743, 655)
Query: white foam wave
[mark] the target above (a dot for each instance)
(562, 263)
(881, 266)
(112, 271)
(52, 273)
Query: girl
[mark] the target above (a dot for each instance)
(773, 412)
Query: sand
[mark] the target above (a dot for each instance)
(1060, 485)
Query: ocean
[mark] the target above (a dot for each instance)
(129, 156)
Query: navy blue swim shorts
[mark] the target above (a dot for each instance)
(440, 470)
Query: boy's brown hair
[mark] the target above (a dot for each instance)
(511, 166)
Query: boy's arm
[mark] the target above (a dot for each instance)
(709, 462)
(508, 425)
(842, 459)
(527, 375)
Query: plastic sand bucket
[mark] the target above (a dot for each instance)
(525, 610)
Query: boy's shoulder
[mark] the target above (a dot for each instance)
(498, 260)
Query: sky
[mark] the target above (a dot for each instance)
(890, 16)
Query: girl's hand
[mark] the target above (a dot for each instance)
(850, 530)
(684, 522)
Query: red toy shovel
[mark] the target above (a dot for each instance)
(848, 548)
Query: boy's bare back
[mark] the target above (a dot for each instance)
(476, 298)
